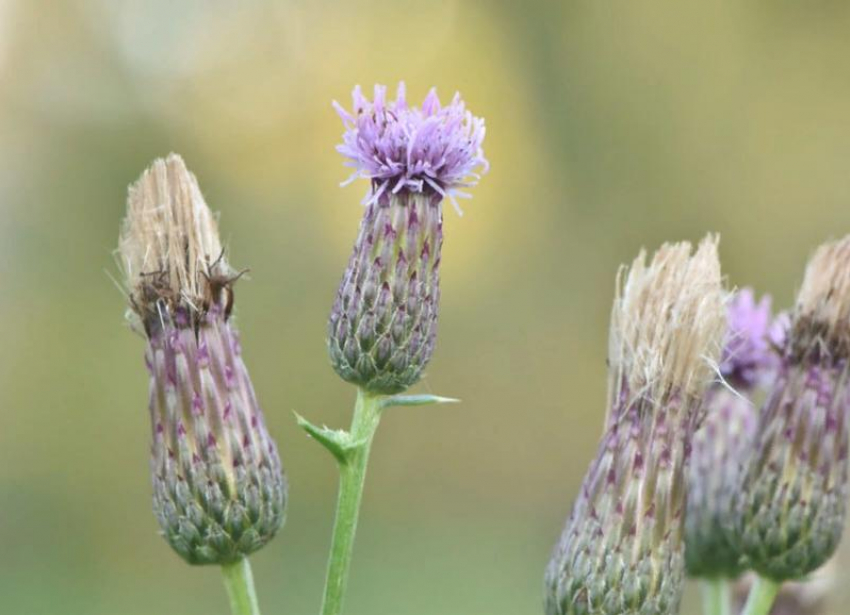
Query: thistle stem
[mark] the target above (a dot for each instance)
(367, 414)
(240, 588)
(761, 598)
(716, 597)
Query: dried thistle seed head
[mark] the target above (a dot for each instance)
(667, 319)
(821, 322)
(722, 444)
(383, 324)
(794, 492)
(219, 491)
(170, 249)
(622, 548)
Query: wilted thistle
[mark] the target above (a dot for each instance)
(383, 324)
(621, 552)
(793, 496)
(219, 492)
(722, 444)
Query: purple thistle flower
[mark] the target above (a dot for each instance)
(432, 149)
(749, 352)
(383, 323)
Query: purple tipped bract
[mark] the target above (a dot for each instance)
(749, 352)
(429, 149)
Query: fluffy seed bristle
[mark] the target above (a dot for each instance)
(668, 320)
(822, 315)
(169, 244)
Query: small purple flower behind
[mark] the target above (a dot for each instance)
(722, 445)
(433, 149)
(749, 353)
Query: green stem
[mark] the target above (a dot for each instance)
(761, 598)
(367, 415)
(716, 597)
(240, 588)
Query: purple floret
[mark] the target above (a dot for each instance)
(750, 355)
(433, 149)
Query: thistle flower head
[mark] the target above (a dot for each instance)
(722, 444)
(794, 492)
(383, 324)
(432, 149)
(622, 548)
(219, 492)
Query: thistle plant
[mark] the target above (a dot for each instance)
(218, 489)
(383, 322)
(722, 444)
(622, 550)
(793, 494)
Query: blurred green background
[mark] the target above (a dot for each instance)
(611, 126)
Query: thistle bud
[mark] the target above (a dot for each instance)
(219, 492)
(622, 548)
(793, 494)
(722, 444)
(383, 324)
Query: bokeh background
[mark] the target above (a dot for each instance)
(611, 126)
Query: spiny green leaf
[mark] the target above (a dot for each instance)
(416, 400)
(339, 442)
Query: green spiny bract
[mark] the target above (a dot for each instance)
(383, 324)
(219, 490)
(793, 496)
(622, 550)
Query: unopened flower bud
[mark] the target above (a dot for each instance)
(723, 442)
(383, 324)
(793, 495)
(219, 492)
(622, 550)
